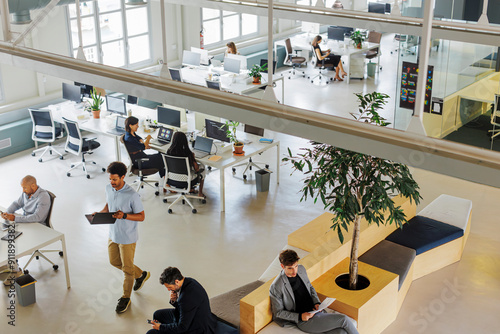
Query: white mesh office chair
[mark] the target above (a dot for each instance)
(39, 252)
(495, 118)
(248, 165)
(45, 131)
(181, 179)
(77, 145)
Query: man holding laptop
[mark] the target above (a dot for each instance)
(123, 234)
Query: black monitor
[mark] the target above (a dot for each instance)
(347, 30)
(71, 92)
(116, 105)
(85, 89)
(216, 130)
(375, 7)
(335, 33)
(169, 117)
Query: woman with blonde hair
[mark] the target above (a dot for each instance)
(329, 58)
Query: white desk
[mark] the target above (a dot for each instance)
(303, 41)
(228, 160)
(242, 84)
(35, 236)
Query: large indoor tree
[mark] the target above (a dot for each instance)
(354, 185)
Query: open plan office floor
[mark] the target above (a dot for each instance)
(224, 251)
(227, 250)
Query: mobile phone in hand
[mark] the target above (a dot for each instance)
(149, 321)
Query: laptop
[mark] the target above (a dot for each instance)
(101, 218)
(202, 147)
(164, 136)
(119, 128)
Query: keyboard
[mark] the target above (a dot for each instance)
(200, 154)
(158, 142)
(116, 131)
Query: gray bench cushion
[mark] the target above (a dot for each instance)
(391, 257)
(226, 306)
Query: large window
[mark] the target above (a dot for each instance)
(113, 34)
(220, 26)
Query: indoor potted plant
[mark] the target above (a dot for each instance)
(95, 103)
(255, 72)
(354, 185)
(230, 128)
(357, 38)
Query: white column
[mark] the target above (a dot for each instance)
(164, 72)
(269, 92)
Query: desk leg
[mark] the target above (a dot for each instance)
(283, 91)
(348, 68)
(221, 191)
(65, 256)
(117, 149)
(278, 163)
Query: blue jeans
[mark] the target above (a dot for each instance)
(164, 316)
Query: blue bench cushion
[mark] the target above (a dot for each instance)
(390, 256)
(423, 234)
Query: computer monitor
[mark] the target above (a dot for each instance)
(213, 84)
(347, 30)
(216, 130)
(116, 104)
(199, 120)
(375, 7)
(71, 92)
(335, 34)
(242, 59)
(85, 90)
(191, 58)
(175, 73)
(169, 117)
(203, 55)
(232, 65)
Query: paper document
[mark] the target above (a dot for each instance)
(323, 305)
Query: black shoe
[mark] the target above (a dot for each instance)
(141, 280)
(123, 304)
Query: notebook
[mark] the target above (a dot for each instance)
(8, 237)
(101, 218)
(119, 128)
(164, 136)
(202, 147)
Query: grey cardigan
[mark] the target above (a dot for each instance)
(283, 300)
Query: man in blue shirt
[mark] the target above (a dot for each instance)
(123, 234)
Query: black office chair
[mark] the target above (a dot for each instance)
(132, 99)
(76, 144)
(140, 172)
(248, 166)
(213, 84)
(45, 131)
(40, 253)
(321, 66)
(293, 60)
(175, 73)
(181, 179)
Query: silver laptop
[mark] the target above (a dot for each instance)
(202, 147)
(164, 136)
(119, 128)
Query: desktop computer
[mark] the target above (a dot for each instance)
(242, 59)
(71, 92)
(232, 65)
(191, 58)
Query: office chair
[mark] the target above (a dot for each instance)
(374, 37)
(140, 172)
(40, 253)
(259, 132)
(293, 60)
(213, 84)
(76, 144)
(132, 99)
(495, 112)
(175, 73)
(406, 43)
(45, 131)
(181, 179)
(320, 65)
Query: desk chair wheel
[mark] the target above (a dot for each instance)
(165, 200)
(61, 157)
(157, 193)
(26, 271)
(169, 210)
(88, 176)
(40, 160)
(267, 166)
(61, 253)
(194, 211)
(37, 257)
(156, 183)
(244, 177)
(33, 154)
(234, 170)
(68, 174)
(183, 202)
(209, 167)
(55, 266)
(103, 169)
(203, 201)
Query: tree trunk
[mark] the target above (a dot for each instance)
(353, 264)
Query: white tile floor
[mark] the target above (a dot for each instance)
(224, 251)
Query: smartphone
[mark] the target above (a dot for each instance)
(149, 321)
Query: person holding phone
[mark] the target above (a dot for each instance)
(191, 312)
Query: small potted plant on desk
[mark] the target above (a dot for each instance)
(255, 72)
(357, 38)
(230, 128)
(95, 103)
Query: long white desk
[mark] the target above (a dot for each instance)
(228, 159)
(35, 236)
(302, 42)
(241, 84)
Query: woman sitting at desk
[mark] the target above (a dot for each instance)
(329, 58)
(231, 49)
(179, 147)
(136, 146)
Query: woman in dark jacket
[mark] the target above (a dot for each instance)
(329, 58)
